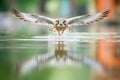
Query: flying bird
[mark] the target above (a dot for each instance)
(61, 24)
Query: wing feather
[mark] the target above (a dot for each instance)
(37, 19)
(86, 60)
(87, 19)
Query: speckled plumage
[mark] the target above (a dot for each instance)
(61, 24)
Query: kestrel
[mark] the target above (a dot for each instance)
(61, 24)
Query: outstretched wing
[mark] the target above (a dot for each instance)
(87, 19)
(37, 19)
(87, 61)
(42, 59)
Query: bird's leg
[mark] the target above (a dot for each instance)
(59, 33)
(63, 31)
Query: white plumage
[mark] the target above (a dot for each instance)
(61, 24)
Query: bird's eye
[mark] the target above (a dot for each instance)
(57, 22)
(64, 22)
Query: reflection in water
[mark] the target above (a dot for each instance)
(60, 56)
(108, 55)
(103, 64)
(60, 51)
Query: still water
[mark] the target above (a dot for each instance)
(78, 56)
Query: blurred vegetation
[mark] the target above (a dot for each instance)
(28, 5)
(25, 5)
(4, 5)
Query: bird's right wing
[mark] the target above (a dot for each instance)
(37, 19)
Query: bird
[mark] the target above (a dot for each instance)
(59, 25)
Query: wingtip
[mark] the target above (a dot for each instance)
(107, 11)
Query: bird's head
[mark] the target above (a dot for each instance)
(60, 22)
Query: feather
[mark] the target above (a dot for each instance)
(87, 19)
(37, 19)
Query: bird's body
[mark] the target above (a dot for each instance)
(61, 24)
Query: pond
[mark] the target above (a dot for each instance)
(74, 56)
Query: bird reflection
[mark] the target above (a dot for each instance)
(61, 54)
(60, 57)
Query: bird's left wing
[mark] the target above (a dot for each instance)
(46, 58)
(87, 19)
(37, 19)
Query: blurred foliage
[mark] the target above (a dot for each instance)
(4, 5)
(53, 7)
(28, 5)
(82, 2)
(24, 5)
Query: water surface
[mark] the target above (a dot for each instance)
(75, 56)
